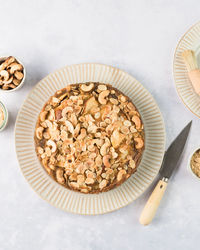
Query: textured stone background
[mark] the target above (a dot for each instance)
(139, 37)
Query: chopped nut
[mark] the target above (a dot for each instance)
(102, 87)
(40, 150)
(125, 130)
(97, 115)
(103, 184)
(89, 181)
(114, 101)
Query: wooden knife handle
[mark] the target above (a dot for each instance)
(153, 202)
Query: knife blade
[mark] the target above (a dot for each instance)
(174, 153)
(170, 162)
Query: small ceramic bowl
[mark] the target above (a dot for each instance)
(5, 111)
(3, 58)
(189, 166)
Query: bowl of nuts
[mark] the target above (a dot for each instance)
(12, 74)
(3, 116)
(194, 163)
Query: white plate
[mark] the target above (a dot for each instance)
(62, 197)
(190, 40)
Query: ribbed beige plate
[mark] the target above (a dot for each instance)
(190, 40)
(76, 202)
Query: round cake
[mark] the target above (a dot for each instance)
(89, 137)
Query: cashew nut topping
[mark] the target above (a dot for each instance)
(53, 145)
(39, 131)
(121, 174)
(90, 103)
(82, 134)
(59, 176)
(87, 137)
(132, 163)
(117, 138)
(69, 126)
(137, 121)
(43, 116)
(103, 184)
(102, 87)
(77, 129)
(106, 162)
(66, 110)
(49, 124)
(87, 88)
(139, 143)
(73, 119)
(102, 96)
(104, 149)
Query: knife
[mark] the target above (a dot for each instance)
(170, 162)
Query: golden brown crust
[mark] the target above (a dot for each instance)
(89, 137)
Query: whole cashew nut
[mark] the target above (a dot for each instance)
(87, 88)
(8, 81)
(140, 143)
(59, 176)
(19, 75)
(14, 67)
(106, 162)
(137, 121)
(120, 174)
(7, 62)
(102, 96)
(39, 131)
(52, 144)
(66, 110)
(4, 75)
(43, 116)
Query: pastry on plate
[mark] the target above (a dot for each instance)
(89, 137)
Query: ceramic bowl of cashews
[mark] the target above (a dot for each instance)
(12, 74)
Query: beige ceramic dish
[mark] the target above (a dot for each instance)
(191, 41)
(58, 195)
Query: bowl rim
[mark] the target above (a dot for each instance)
(189, 160)
(82, 68)
(174, 60)
(6, 116)
(22, 82)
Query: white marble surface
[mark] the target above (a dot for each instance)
(139, 37)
